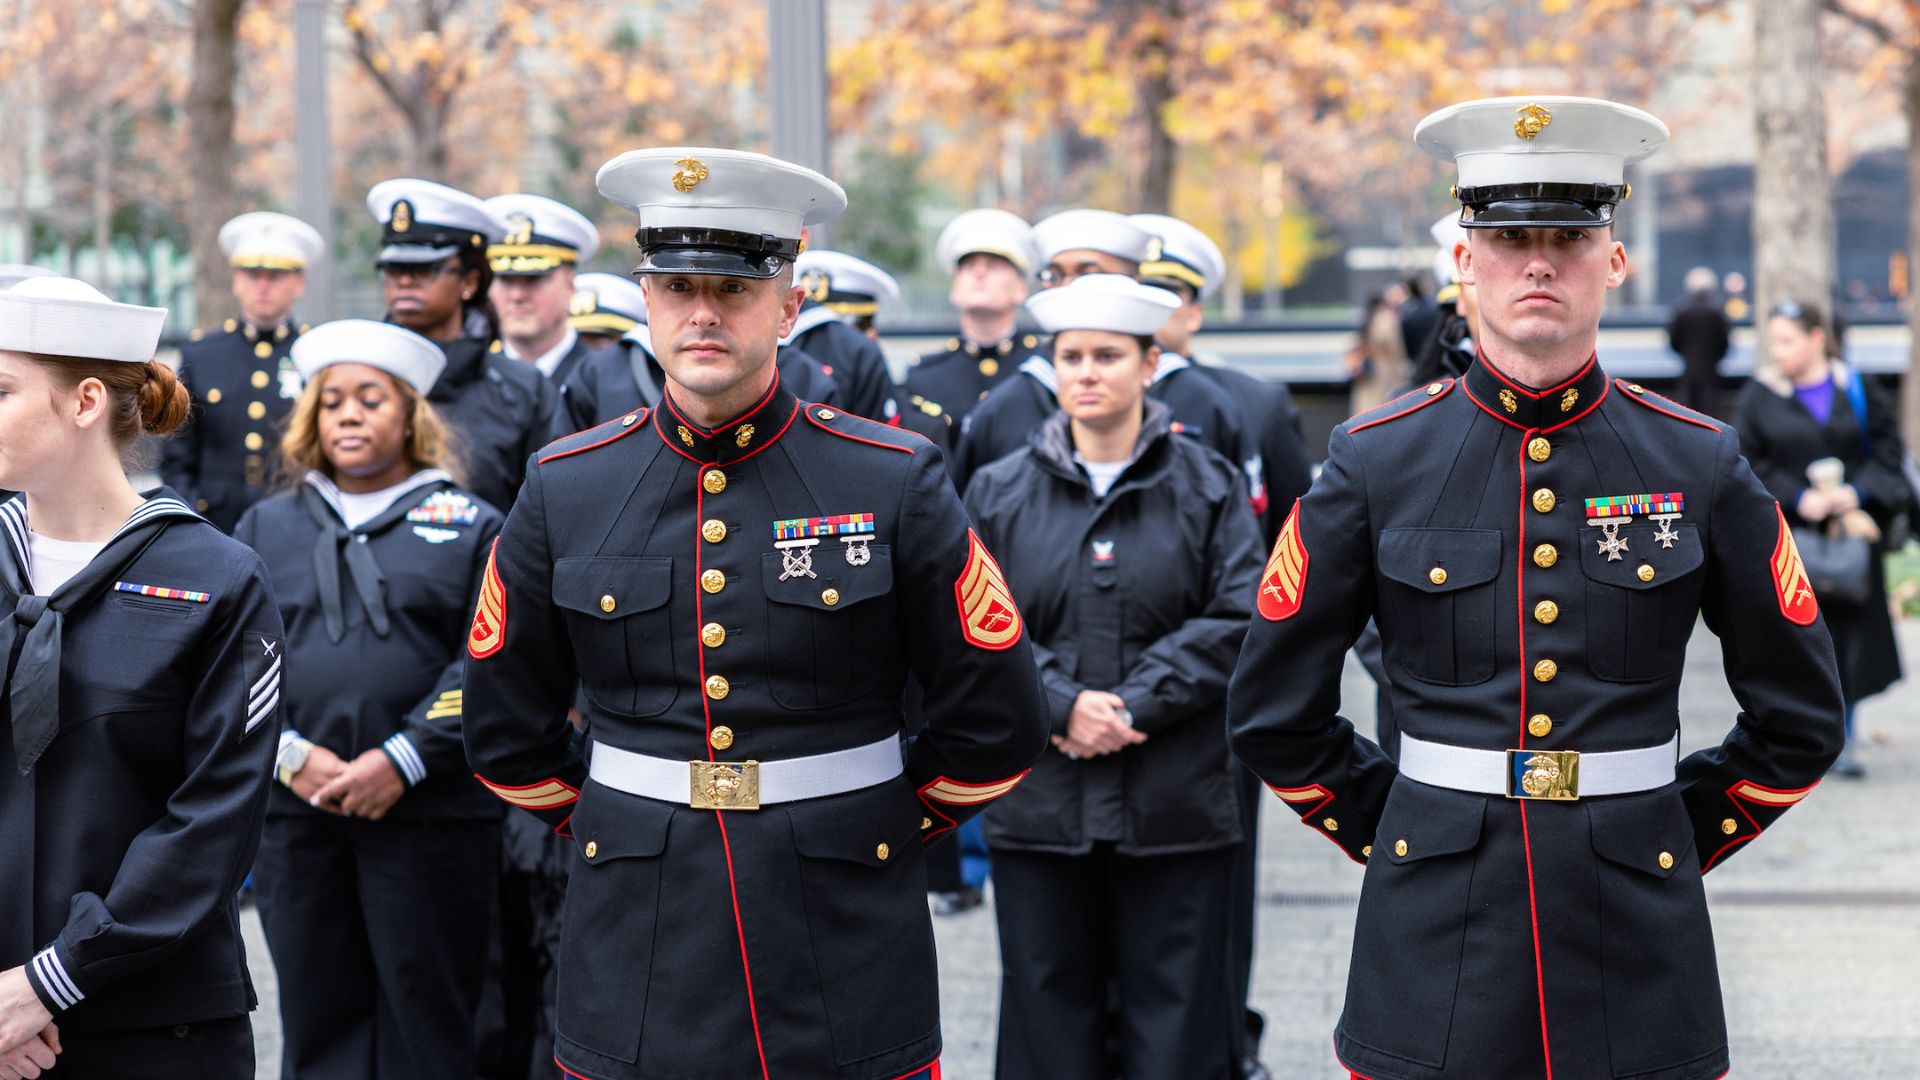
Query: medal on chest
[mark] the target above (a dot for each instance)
(797, 537)
(1610, 512)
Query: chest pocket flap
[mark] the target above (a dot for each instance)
(1668, 564)
(1463, 558)
(611, 588)
(834, 578)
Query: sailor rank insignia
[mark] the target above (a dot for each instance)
(489, 631)
(1790, 584)
(445, 508)
(1284, 585)
(988, 617)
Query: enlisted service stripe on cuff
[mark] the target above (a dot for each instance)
(53, 976)
(412, 766)
(1303, 795)
(1755, 793)
(957, 793)
(545, 795)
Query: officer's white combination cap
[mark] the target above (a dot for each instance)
(607, 304)
(60, 316)
(986, 231)
(541, 234)
(845, 283)
(1091, 230)
(395, 350)
(1540, 162)
(1112, 302)
(705, 210)
(424, 222)
(1187, 255)
(268, 241)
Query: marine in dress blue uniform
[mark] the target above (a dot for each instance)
(1536, 558)
(376, 940)
(141, 705)
(501, 409)
(742, 605)
(241, 379)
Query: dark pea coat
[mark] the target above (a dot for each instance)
(1511, 938)
(501, 410)
(639, 565)
(243, 385)
(961, 375)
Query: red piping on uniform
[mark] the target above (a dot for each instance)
(931, 1071)
(815, 421)
(1495, 371)
(768, 442)
(627, 429)
(1735, 799)
(569, 1072)
(1446, 386)
(1485, 408)
(708, 433)
(719, 816)
(1645, 394)
(1336, 1057)
(1582, 413)
(1526, 840)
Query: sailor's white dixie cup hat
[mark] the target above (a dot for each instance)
(62, 316)
(1087, 229)
(1111, 302)
(395, 350)
(705, 210)
(268, 241)
(1540, 162)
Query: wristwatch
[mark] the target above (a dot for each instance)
(293, 758)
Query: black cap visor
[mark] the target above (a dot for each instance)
(1540, 206)
(717, 252)
(415, 254)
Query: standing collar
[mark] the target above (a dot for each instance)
(737, 439)
(1523, 407)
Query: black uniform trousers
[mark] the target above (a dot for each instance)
(398, 907)
(209, 1050)
(1072, 926)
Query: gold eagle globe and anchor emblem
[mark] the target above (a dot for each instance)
(1533, 120)
(688, 174)
(1509, 402)
(519, 231)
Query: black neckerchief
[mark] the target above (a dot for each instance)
(337, 543)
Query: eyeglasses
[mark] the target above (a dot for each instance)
(422, 272)
(1788, 309)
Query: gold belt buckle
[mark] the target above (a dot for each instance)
(724, 785)
(1543, 774)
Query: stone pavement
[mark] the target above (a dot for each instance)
(1817, 923)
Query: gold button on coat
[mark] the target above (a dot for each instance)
(1437, 575)
(630, 419)
(1545, 556)
(1729, 826)
(1400, 848)
(926, 823)
(607, 604)
(260, 380)
(213, 396)
(717, 687)
(721, 737)
(1544, 501)
(1539, 724)
(989, 367)
(830, 597)
(1545, 612)
(254, 441)
(882, 852)
(713, 581)
(714, 481)
(1545, 670)
(1366, 852)
(1433, 389)
(1539, 449)
(1645, 572)
(263, 350)
(1666, 860)
(256, 411)
(593, 848)
(1331, 824)
(713, 635)
(825, 414)
(714, 530)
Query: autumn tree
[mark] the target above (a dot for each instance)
(210, 125)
